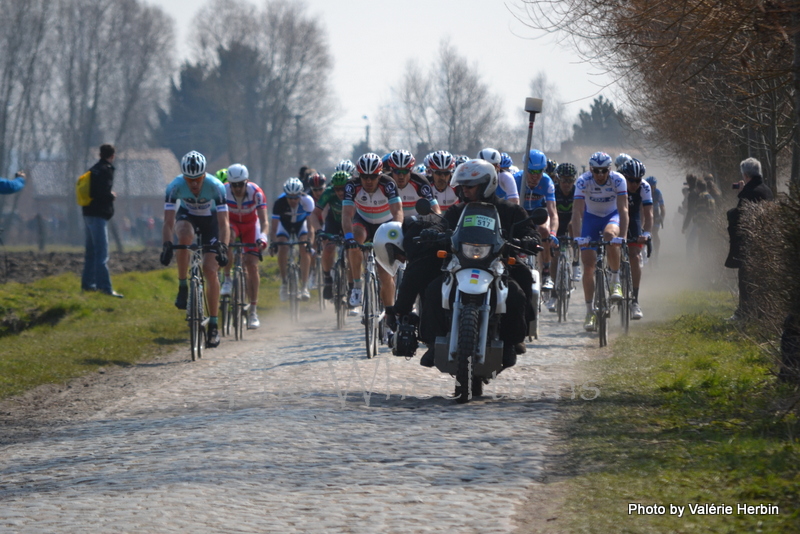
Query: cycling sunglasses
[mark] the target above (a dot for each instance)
(369, 176)
(442, 173)
(540, 171)
(401, 171)
(292, 197)
(238, 184)
(318, 189)
(600, 170)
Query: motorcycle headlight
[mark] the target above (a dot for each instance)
(475, 252)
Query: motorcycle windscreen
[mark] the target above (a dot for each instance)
(480, 225)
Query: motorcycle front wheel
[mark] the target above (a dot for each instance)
(468, 336)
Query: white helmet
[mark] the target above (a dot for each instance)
(491, 155)
(237, 173)
(621, 159)
(292, 187)
(345, 165)
(387, 242)
(193, 164)
(600, 160)
(476, 172)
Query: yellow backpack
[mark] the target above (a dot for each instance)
(83, 189)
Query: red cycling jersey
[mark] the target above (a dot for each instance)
(244, 212)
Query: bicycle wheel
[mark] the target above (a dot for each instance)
(238, 304)
(627, 295)
(196, 336)
(225, 315)
(294, 292)
(601, 306)
(340, 293)
(320, 281)
(370, 323)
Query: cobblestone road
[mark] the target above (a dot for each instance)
(290, 432)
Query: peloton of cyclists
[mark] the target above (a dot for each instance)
(291, 215)
(195, 201)
(411, 186)
(247, 208)
(600, 213)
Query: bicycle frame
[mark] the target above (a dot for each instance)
(293, 274)
(197, 306)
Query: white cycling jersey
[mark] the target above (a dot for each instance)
(445, 198)
(506, 182)
(601, 200)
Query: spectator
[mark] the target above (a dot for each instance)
(689, 223)
(96, 216)
(752, 189)
(712, 187)
(8, 187)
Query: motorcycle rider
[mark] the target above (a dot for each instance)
(476, 181)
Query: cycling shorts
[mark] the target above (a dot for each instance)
(332, 226)
(246, 232)
(205, 225)
(297, 228)
(594, 225)
(563, 225)
(371, 228)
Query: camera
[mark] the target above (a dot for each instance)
(735, 186)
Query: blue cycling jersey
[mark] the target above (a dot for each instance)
(530, 199)
(212, 194)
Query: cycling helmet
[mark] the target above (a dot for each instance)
(293, 187)
(537, 161)
(222, 175)
(401, 159)
(442, 160)
(505, 160)
(566, 170)
(237, 173)
(621, 159)
(316, 180)
(369, 164)
(633, 168)
(491, 155)
(421, 169)
(193, 164)
(345, 165)
(427, 160)
(600, 160)
(340, 178)
(476, 172)
(461, 159)
(388, 241)
(652, 181)
(551, 167)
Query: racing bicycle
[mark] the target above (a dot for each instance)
(197, 307)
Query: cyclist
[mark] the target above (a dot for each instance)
(441, 164)
(538, 190)
(316, 185)
(640, 216)
(600, 212)
(197, 194)
(621, 160)
(411, 186)
(370, 200)
(565, 194)
(247, 208)
(507, 188)
(345, 165)
(659, 213)
(550, 170)
(291, 215)
(462, 158)
(331, 200)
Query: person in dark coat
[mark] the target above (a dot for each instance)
(96, 216)
(752, 189)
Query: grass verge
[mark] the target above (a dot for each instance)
(51, 332)
(689, 413)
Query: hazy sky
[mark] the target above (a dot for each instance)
(380, 35)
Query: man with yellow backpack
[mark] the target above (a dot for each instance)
(96, 214)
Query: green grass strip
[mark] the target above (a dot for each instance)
(689, 413)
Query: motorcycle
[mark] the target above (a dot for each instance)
(475, 291)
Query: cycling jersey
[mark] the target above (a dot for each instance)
(292, 219)
(601, 200)
(212, 195)
(372, 207)
(330, 198)
(642, 197)
(246, 211)
(532, 198)
(658, 200)
(564, 203)
(417, 187)
(445, 198)
(507, 187)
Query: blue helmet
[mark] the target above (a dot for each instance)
(505, 160)
(600, 160)
(652, 181)
(537, 161)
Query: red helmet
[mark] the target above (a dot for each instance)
(316, 180)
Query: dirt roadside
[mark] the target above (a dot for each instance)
(26, 267)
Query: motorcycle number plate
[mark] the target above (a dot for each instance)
(481, 221)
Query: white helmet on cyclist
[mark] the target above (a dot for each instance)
(388, 241)
(621, 159)
(600, 160)
(193, 164)
(345, 165)
(491, 155)
(237, 173)
(292, 187)
(369, 163)
(476, 172)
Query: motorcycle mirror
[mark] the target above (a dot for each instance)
(539, 216)
(423, 206)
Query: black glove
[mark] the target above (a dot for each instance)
(166, 253)
(350, 244)
(391, 318)
(273, 248)
(222, 254)
(430, 234)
